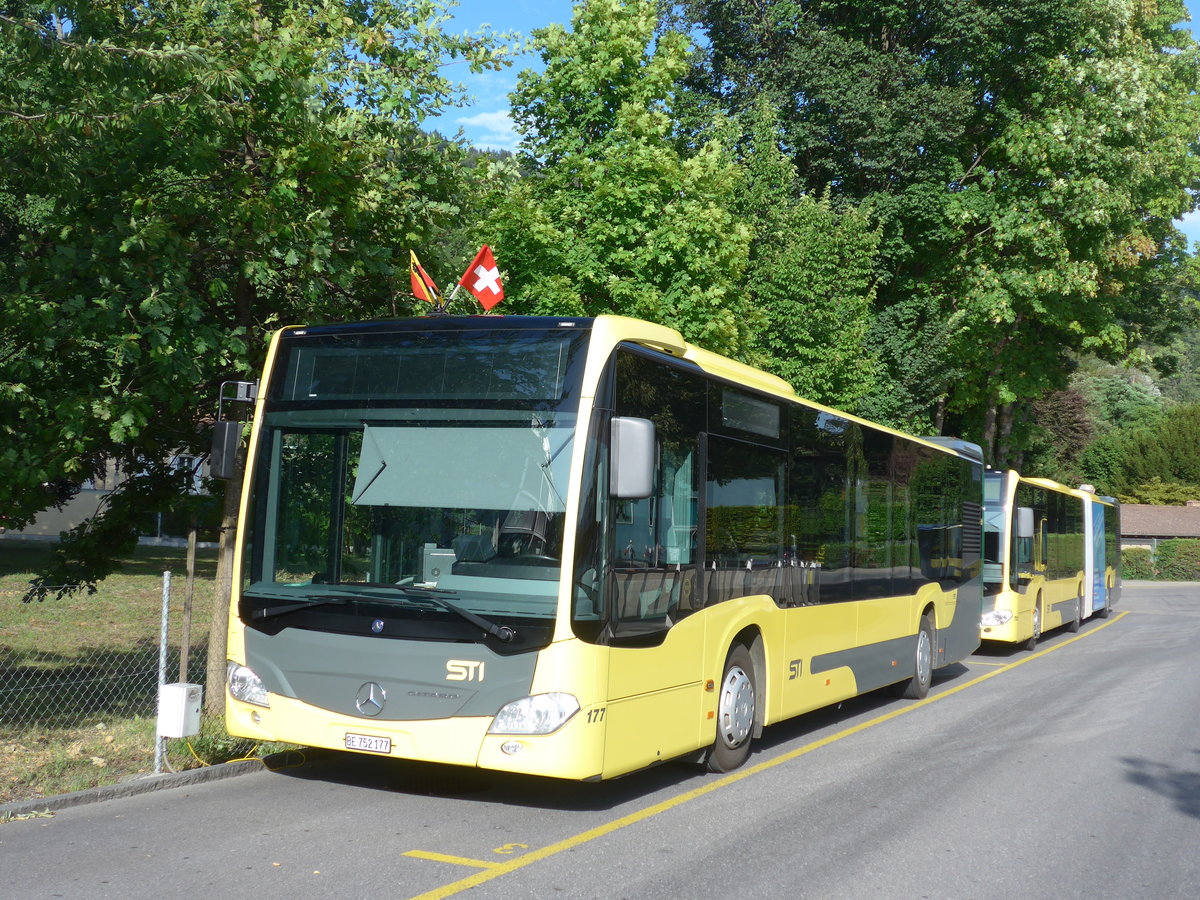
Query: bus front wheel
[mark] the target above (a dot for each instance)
(1031, 644)
(735, 712)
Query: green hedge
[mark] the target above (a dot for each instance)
(1137, 563)
(1174, 560)
(1178, 560)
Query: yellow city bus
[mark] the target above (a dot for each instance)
(1051, 557)
(577, 547)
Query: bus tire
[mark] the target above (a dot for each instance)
(1106, 610)
(736, 703)
(917, 686)
(1078, 620)
(1032, 643)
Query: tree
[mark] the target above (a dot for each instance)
(180, 179)
(1155, 461)
(1024, 162)
(611, 216)
(810, 277)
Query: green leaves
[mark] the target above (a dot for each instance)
(1023, 163)
(613, 217)
(183, 177)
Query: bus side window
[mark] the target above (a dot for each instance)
(817, 513)
(651, 555)
(743, 530)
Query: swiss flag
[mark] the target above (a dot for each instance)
(482, 278)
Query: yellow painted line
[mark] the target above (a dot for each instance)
(980, 662)
(495, 871)
(456, 860)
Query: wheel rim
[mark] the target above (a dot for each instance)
(736, 706)
(1037, 622)
(924, 656)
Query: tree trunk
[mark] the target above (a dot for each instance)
(1004, 436)
(218, 632)
(987, 437)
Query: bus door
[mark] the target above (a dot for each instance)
(655, 694)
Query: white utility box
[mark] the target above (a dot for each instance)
(179, 709)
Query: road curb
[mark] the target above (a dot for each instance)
(140, 784)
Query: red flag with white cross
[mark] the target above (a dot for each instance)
(482, 279)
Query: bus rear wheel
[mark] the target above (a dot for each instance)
(917, 686)
(1078, 620)
(735, 712)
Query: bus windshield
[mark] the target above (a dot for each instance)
(410, 465)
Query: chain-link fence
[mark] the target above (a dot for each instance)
(79, 686)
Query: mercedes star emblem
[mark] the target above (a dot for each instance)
(371, 698)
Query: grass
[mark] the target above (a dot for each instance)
(78, 676)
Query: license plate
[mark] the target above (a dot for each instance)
(368, 743)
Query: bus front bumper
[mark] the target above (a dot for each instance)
(1001, 625)
(574, 751)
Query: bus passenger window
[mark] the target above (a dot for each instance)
(743, 532)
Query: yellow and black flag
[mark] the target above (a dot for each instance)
(423, 286)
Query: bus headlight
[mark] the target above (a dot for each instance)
(539, 714)
(244, 685)
(996, 617)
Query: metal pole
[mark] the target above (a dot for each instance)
(159, 742)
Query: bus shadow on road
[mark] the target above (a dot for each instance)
(439, 780)
(996, 650)
(855, 711)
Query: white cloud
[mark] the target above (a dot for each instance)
(492, 88)
(489, 130)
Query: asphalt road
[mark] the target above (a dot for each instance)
(1070, 772)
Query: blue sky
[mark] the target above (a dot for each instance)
(486, 124)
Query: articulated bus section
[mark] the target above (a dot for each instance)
(1051, 557)
(578, 547)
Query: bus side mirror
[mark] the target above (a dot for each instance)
(631, 458)
(226, 437)
(1024, 522)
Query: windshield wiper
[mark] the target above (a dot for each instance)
(269, 612)
(410, 593)
(436, 597)
(425, 595)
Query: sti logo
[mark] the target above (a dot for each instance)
(464, 670)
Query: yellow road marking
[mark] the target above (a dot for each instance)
(495, 870)
(456, 860)
(980, 662)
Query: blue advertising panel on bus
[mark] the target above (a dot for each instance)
(1099, 564)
